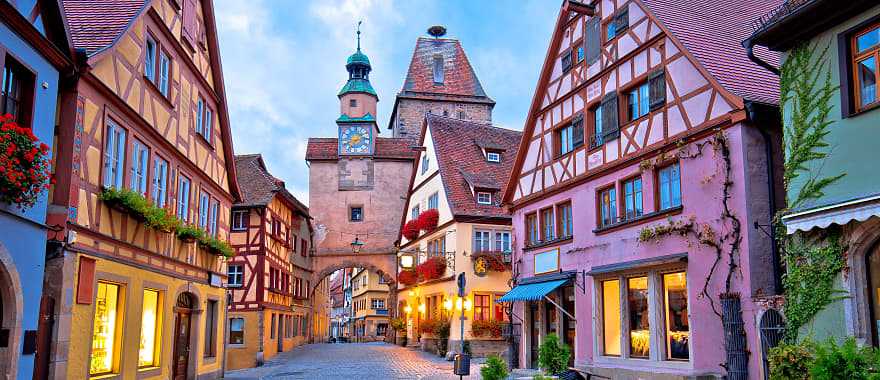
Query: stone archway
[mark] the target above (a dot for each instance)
(862, 238)
(385, 265)
(12, 313)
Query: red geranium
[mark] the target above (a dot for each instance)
(24, 164)
(407, 277)
(411, 230)
(428, 220)
(433, 268)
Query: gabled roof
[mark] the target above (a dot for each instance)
(459, 79)
(327, 148)
(463, 164)
(713, 31)
(96, 24)
(259, 187)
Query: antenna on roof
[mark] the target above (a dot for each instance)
(359, 34)
(437, 31)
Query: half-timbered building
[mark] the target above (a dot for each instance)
(642, 171)
(269, 275)
(145, 117)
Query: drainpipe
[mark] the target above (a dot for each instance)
(754, 114)
(749, 44)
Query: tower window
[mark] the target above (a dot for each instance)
(353, 103)
(438, 69)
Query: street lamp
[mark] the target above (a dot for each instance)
(356, 244)
(407, 309)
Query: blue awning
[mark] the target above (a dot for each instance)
(531, 292)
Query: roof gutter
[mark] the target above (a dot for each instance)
(749, 44)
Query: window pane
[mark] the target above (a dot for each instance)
(867, 70)
(149, 329)
(639, 327)
(675, 183)
(643, 100)
(104, 337)
(868, 40)
(236, 331)
(677, 326)
(611, 317)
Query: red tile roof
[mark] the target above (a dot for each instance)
(713, 32)
(258, 186)
(463, 164)
(97, 24)
(459, 79)
(323, 149)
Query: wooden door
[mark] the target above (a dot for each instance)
(535, 334)
(181, 344)
(281, 332)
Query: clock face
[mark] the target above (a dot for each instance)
(355, 139)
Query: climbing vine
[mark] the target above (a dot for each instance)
(812, 264)
(725, 243)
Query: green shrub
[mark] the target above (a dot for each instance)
(790, 361)
(216, 246)
(190, 232)
(442, 332)
(139, 207)
(846, 361)
(553, 355)
(398, 324)
(494, 369)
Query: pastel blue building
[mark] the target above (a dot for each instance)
(34, 59)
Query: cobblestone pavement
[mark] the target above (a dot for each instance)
(353, 361)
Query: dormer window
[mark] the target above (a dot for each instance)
(438, 69)
(493, 156)
(484, 198)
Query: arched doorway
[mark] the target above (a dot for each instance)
(183, 311)
(10, 314)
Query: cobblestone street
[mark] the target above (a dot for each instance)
(353, 361)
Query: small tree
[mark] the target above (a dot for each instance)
(494, 369)
(553, 355)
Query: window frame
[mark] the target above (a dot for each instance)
(243, 224)
(182, 209)
(119, 322)
(230, 275)
(484, 201)
(480, 236)
(211, 313)
(658, 192)
(612, 205)
(151, 59)
(114, 177)
(434, 201)
(490, 154)
(163, 77)
(139, 162)
(642, 104)
(566, 61)
(26, 90)
(204, 202)
(854, 57)
(159, 192)
(638, 210)
(157, 329)
(486, 308)
(542, 220)
(351, 214)
(231, 332)
(596, 135)
(533, 228)
(560, 232)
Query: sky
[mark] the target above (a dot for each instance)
(284, 63)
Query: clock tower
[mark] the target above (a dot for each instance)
(357, 107)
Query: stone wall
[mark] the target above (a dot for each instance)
(481, 348)
(411, 114)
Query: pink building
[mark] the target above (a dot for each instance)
(647, 145)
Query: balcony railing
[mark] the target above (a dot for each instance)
(778, 13)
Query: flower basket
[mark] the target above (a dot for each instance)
(494, 260)
(486, 328)
(217, 247)
(189, 233)
(408, 277)
(141, 209)
(432, 269)
(428, 219)
(429, 326)
(411, 230)
(24, 164)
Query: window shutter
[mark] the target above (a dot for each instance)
(577, 127)
(85, 285)
(593, 40)
(657, 89)
(610, 126)
(621, 21)
(189, 22)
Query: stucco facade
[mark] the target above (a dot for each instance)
(605, 218)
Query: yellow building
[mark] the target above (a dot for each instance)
(268, 278)
(144, 119)
(320, 300)
(461, 171)
(369, 299)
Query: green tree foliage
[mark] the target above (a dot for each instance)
(494, 369)
(553, 355)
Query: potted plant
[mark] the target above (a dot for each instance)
(189, 233)
(428, 219)
(494, 369)
(486, 328)
(399, 326)
(553, 355)
(411, 230)
(432, 269)
(24, 164)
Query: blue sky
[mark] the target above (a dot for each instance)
(283, 63)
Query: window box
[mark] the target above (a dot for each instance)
(139, 208)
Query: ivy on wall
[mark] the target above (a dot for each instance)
(811, 263)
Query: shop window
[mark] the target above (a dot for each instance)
(482, 307)
(236, 330)
(211, 329)
(637, 310)
(677, 325)
(106, 335)
(669, 180)
(148, 353)
(611, 317)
